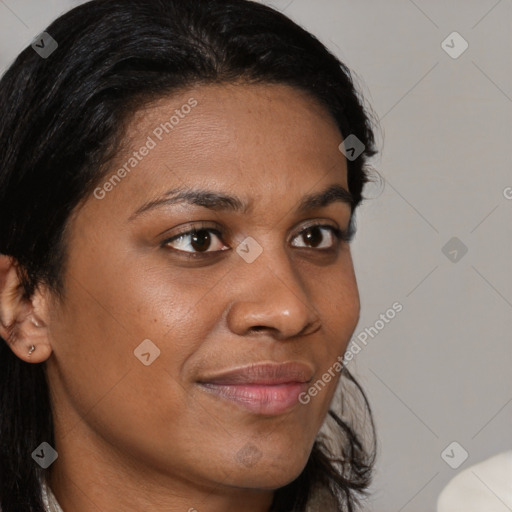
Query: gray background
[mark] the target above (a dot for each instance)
(440, 370)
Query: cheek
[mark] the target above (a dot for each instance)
(107, 317)
(138, 299)
(336, 299)
(344, 312)
(111, 309)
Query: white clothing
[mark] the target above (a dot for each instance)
(483, 487)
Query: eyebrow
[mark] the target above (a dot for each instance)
(224, 202)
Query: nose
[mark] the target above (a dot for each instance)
(271, 297)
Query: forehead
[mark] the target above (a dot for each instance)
(235, 121)
(230, 122)
(260, 140)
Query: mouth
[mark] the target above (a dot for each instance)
(267, 388)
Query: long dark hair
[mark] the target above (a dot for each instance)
(62, 121)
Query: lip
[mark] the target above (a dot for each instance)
(267, 388)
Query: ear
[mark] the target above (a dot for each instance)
(23, 322)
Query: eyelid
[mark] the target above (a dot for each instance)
(191, 227)
(320, 224)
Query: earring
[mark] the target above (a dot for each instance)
(32, 348)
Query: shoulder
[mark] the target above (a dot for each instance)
(483, 486)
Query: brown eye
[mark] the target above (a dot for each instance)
(199, 240)
(314, 236)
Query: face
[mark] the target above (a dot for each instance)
(180, 355)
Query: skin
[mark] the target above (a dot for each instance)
(133, 437)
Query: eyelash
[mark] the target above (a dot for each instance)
(339, 234)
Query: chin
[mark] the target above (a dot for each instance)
(269, 475)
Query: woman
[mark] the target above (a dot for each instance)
(177, 198)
